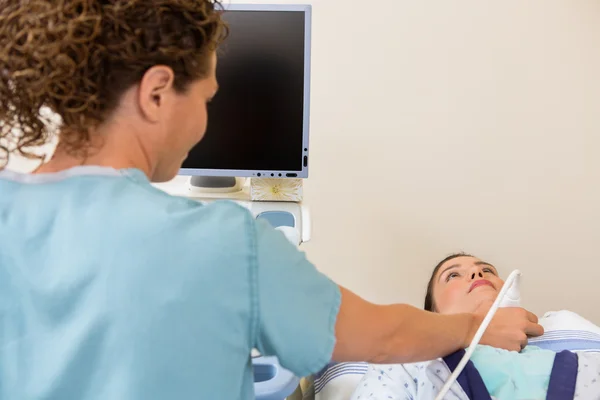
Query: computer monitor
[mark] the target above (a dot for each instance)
(258, 123)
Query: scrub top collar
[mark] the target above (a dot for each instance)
(84, 170)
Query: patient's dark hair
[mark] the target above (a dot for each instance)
(77, 57)
(429, 303)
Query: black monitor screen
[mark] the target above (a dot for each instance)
(256, 120)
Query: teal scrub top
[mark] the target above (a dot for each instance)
(113, 289)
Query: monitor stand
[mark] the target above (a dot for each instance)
(216, 184)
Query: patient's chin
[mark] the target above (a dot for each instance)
(483, 294)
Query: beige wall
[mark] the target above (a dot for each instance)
(463, 125)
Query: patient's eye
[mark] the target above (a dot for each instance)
(491, 271)
(451, 275)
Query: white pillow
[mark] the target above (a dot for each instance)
(338, 381)
(566, 330)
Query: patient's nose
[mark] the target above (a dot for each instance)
(477, 275)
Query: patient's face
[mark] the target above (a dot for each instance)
(465, 284)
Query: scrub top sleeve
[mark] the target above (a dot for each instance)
(297, 306)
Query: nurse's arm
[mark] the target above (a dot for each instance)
(401, 333)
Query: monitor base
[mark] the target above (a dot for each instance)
(216, 184)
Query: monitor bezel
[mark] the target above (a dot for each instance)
(303, 172)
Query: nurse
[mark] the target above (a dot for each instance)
(112, 289)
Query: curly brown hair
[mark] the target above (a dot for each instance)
(77, 58)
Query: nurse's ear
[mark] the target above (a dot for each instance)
(155, 92)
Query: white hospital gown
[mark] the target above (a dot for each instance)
(418, 381)
(588, 376)
(423, 381)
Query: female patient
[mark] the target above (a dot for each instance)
(463, 283)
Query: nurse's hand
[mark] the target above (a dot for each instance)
(509, 329)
